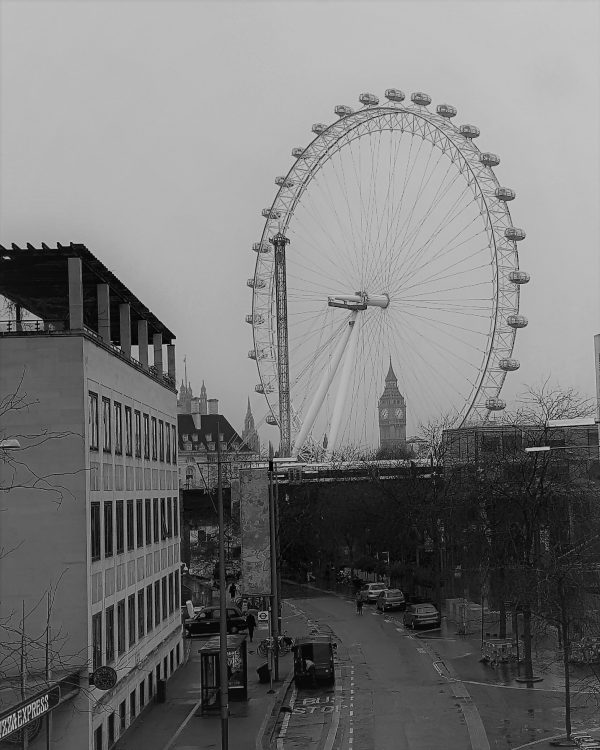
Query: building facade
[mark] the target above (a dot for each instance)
(99, 531)
(392, 414)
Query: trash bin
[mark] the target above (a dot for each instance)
(161, 691)
(263, 672)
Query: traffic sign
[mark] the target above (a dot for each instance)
(262, 620)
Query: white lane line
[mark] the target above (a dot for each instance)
(286, 720)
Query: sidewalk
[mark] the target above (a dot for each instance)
(158, 726)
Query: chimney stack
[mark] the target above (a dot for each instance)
(213, 405)
(195, 404)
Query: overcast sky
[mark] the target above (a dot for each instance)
(152, 132)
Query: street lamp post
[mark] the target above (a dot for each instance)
(273, 550)
(223, 676)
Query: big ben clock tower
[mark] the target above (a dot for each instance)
(392, 413)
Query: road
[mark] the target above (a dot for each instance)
(388, 692)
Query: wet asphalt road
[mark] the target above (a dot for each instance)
(392, 695)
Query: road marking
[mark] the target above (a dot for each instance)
(286, 720)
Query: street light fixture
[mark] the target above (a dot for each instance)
(10, 443)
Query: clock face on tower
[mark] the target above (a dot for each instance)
(384, 413)
(399, 414)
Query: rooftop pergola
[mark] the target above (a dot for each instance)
(37, 279)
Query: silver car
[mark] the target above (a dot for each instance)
(390, 599)
(370, 591)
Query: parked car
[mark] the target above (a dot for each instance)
(314, 660)
(421, 614)
(370, 591)
(209, 618)
(390, 599)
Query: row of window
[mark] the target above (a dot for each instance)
(132, 522)
(135, 617)
(136, 702)
(158, 438)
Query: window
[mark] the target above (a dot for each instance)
(148, 514)
(110, 634)
(106, 424)
(176, 589)
(171, 594)
(108, 529)
(121, 627)
(150, 685)
(149, 621)
(164, 597)
(128, 432)
(95, 530)
(141, 613)
(131, 619)
(146, 436)
(120, 524)
(98, 745)
(172, 660)
(155, 518)
(176, 516)
(164, 532)
(132, 705)
(154, 440)
(139, 522)
(174, 443)
(93, 419)
(122, 723)
(168, 447)
(161, 440)
(96, 641)
(156, 602)
(118, 428)
(138, 434)
(169, 518)
(130, 537)
(111, 729)
(142, 694)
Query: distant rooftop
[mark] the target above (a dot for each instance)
(37, 280)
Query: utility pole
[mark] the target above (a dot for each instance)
(273, 549)
(223, 676)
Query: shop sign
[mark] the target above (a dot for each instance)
(262, 620)
(104, 678)
(23, 713)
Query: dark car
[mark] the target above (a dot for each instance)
(390, 599)
(209, 618)
(417, 615)
(313, 660)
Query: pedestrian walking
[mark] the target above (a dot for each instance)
(359, 603)
(251, 623)
(232, 590)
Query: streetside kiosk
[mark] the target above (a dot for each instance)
(237, 670)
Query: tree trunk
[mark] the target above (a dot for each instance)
(527, 643)
(564, 622)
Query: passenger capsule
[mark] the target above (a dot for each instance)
(270, 419)
(271, 213)
(495, 404)
(257, 283)
(469, 131)
(369, 100)
(255, 318)
(446, 110)
(519, 277)
(298, 152)
(505, 194)
(257, 354)
(284, 182)
(319, 127)
(394, 95)
(517, 321)
(260, 388)
(508, 365)
(420, 98)
(341, 110)
(261, 247)
(489, 160)
(514, 233)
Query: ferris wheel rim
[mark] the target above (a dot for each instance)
(506, 298)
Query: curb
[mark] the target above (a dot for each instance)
(267, 728)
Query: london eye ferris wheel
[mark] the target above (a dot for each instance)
(389, 238)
